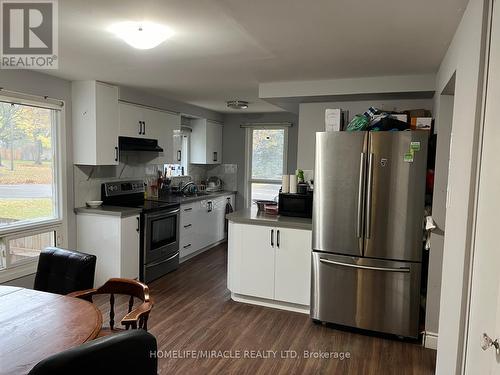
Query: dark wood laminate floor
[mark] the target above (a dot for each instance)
(193, 312)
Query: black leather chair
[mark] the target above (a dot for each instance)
(130, 352)
(64, 271)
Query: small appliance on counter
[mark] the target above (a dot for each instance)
(295, 204)
(214, 183)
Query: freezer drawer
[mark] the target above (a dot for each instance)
(370, 294)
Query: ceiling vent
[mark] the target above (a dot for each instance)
(237, 104)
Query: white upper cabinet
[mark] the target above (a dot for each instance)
(161, 126)
(206, 142)
(131, 120)
(142, 122)
(95, 123)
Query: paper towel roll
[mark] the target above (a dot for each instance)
(293, 184)
(285, 183)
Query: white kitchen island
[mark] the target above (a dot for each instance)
(269, 260)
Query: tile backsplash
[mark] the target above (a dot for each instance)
(88, 179)
(226, 172)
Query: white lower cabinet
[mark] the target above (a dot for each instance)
(257, 262)
(292, 280)
(270, 262)
(202, 224)
(114, 241)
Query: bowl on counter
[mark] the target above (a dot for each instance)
(261, 204)
(271, 209)
(93, 204)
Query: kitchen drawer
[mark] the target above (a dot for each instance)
(188, 244)
(365, 293)
(188, 208)
(188, 212)
(186, 229)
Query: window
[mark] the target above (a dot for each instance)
(24, 248)
(266, 161)
(30, 209)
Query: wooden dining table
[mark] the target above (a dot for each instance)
(35, 325)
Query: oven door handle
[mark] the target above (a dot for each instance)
(163, 214)
(161, 261)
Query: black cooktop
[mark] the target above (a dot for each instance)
(139, 202)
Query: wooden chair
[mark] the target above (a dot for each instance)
(136, 318)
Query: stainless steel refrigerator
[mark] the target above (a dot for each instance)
(369, 196)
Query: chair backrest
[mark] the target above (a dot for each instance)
(64, 271)
(131, 288)
(130, 352)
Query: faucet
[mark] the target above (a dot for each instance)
(188, 184)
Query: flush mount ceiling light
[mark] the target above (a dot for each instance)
(237, 104)
(141, 35)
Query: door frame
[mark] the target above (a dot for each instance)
(474, 215)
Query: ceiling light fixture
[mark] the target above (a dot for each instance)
(141, 35)
(237, 104)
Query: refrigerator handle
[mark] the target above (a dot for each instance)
(385, 269)
(369, 196)
(362, 167)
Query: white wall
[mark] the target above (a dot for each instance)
(140, 97)
(348, 86)
(312, 120)
(443, 124)
(464, 57)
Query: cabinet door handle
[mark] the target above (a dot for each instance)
(278, 238)
(188, 209)
(179, 155)
(144, 127)
(215, 156)
(188, 226)
(186, 246)
(140, 127)
(210, 206)
(116, 153)
(138, 225)
(272, 237)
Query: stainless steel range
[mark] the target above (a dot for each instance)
(159, 227)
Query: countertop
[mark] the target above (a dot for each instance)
(171, 198)
(109, 210)
(251, 216)
(131, 211)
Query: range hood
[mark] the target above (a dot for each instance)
(138, 144)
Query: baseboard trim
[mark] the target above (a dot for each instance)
(198, 252)
(270, 303)
(430, 340)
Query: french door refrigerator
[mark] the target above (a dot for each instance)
(369, 197)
